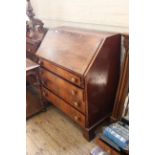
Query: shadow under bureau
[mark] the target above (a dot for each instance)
(79, 73)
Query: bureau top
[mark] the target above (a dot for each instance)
(70, 49)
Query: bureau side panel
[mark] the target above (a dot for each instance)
(101, 81)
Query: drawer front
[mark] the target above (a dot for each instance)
(66, 108)
(107, 148)
(75, 79)
(63, 89)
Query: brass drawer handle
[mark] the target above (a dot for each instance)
(74, 92)
(76, 118)
(76, 104)
(108, 151)
(73, 79)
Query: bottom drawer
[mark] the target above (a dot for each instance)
(106, 147)
(66, 108)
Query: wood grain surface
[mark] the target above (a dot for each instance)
(62, 88)
(70, 50)
(53, 133)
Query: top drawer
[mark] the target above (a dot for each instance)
(75, 79)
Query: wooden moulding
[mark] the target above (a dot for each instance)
(123, 86)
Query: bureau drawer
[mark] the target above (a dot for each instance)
(63, 89)
(71, 77)
(107, 148)
(66, 108)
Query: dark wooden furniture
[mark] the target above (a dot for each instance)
(34, 102)
(79, 73)
(35, 32)
(32, 43)
(123, 87)
(106, 147)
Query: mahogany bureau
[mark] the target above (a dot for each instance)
(79, 73)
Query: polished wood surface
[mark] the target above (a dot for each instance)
(63, 72)
(62, 105)
(81, 67)
(102, 79)
(60, 87)
(53, 133)
(123, 87)
(73, 51)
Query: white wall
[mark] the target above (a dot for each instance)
(108, 15)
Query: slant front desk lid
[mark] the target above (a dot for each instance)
(73, 50)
